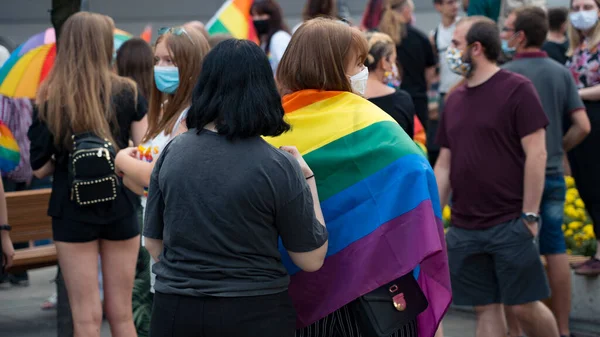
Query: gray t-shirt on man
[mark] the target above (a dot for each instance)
(220, 206)
(559, 96)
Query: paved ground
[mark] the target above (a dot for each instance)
(20, 314)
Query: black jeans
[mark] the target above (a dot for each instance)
(185, 316)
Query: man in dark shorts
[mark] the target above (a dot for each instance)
(560, 99)
(493, 158)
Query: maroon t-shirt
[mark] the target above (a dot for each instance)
(483, 127)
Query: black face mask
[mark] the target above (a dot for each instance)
(261, 26)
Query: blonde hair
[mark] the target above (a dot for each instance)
(187, 50)
(380, 46)
(77, 94)
(392, 23)
(318, 54)
(576, 36)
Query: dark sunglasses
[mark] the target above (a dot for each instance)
(178, 31)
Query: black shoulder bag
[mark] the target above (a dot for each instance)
(92, 170)
(389, 308)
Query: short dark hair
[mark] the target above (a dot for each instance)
(557, 16)
(533, 22)
(242, 103)
(486, 32)
(438, 2)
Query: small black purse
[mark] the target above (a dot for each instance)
(389, 308)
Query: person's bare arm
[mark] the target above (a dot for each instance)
(313, 260)
(138, 130)
(132, 186)
(590, 94)
(442, 175)
(579, 129)
(534, 146)
(137, 171)
(154, 247)
(45, 170)
(8, 251)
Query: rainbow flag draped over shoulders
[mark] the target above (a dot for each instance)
(233, 18)
(9, 150)
(379, 198)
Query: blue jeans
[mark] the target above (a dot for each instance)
(551, 238)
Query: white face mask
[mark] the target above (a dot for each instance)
(359, 81)
(584, 20)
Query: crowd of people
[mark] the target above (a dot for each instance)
(243, 182)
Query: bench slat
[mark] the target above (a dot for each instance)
(36, 257)
(27, 214)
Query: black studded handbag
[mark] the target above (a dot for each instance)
(92, 170)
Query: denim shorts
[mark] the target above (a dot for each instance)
(551, 238)
(500, 264)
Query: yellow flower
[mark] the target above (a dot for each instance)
(569, 251)
(573, 191)
(581, 215)
(564, 227)
(568, 233)
(579, 203)
(588, 229)
(569, 181)
(578, 244)
(446, 213)
(569, 198)
(575, 225)
(570, 211)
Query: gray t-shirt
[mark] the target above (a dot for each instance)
(558, 94)
(220, 206)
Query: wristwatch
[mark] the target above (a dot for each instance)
(531, 217)
(5, 228)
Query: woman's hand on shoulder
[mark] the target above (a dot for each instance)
(296, 154)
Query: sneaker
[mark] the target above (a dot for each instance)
(50, 303)
(589, 268)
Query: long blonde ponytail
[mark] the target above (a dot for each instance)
(392, 22)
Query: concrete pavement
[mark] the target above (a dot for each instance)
(21, 316)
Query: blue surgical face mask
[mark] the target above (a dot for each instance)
(166, 79)
(508, 51)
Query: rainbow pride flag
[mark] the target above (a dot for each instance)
(379, 198)
(233, 18)
(9, 150)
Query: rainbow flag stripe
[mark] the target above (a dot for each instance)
(379, 198)
(9, 150)
(233, 18)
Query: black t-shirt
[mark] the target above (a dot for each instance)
(415, 54)
(557, 51)
(43, 148)
(220, 206)
(400, 106)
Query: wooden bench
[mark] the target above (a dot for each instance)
(27, 215)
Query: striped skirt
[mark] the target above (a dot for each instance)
(342, 323)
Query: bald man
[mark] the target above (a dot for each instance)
(198, 26)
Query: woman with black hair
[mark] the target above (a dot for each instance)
(220, 197)
(271, 29)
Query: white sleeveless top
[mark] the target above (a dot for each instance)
(150, 150)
